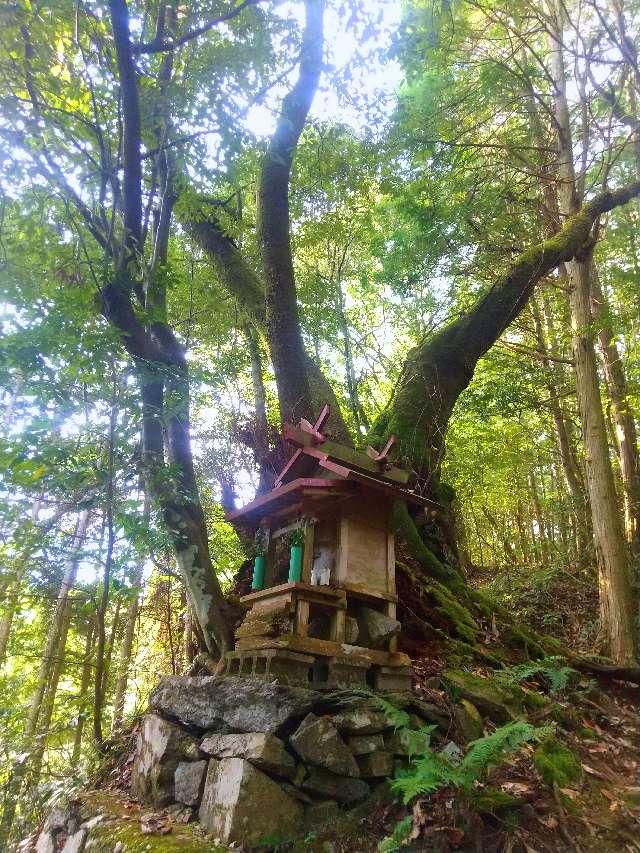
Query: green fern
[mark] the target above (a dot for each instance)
(487, 751)
(398, 718)
(433, 770)
(552, 669)
(397, 838)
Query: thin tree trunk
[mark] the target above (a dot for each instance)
(13, 587)
(126, 647)
(539, 516)
(190, 648)
(87, 669)
(357, 411)
(52, 641)
(260, 442)
(625, 429)
(101, 610)
(48, 703)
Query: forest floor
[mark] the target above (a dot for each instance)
(599, 814)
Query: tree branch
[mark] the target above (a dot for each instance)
(159, 44)
(439, 368)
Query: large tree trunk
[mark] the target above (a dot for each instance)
(616, 591)
(274, 228)
(160, 361)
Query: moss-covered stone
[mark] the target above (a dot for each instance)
(525, 640)
(556, 763)
(499, 702)
(490, 800)
(469, 723)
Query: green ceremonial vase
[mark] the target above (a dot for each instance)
(258, 572)
(295, 563)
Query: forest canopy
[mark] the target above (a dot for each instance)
(216, 217)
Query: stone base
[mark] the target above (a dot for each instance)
(343, 673)
(271, 665)
(256, 760)
(292, 668)
(392, 679)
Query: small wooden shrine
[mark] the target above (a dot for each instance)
(322, 610)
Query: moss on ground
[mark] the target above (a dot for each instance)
(122, 824)
(490, 800)
(556, 763)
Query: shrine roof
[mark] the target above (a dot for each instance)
(321, 464)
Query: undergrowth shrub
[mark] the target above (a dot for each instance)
(435, 770)
(552, 670)
(430, 771)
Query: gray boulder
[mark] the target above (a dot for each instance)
(241, 805)
(317, 742)
(341, 788)
(230, 702)
(75, 842)
(189, 781)
(376, 764)
(160, 747)
(375, 628)
(363, 744)
(469, 723)
(265, 751)
(361, 721)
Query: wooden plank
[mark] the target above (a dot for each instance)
(280, 602)
(391, 563)
(301, 625)
(376, 656)
(272, 501)
(366, 555)
(325, 648)
(322, 600)
(327, 592)
(364, 592)
(306, 645)
(307, 558)
(338, 623)
(344, 454)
